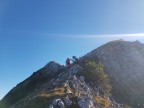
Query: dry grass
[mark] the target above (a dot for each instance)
(104, 102)
(55, 92)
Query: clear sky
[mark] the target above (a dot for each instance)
(34, 32)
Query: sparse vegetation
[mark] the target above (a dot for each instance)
(55, 92)
(40, 100)
(22, 90)
(126, 106)
(102, 101)
(94, 72)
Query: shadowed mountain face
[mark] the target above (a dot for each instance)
(124, 62)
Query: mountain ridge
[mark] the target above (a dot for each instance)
(121, 60)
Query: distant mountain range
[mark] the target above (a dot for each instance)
(85, 84)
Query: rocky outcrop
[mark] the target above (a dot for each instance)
(62, 88)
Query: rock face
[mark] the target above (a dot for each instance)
(124, 62)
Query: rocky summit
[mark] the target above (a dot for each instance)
(110, 76)
(124, 63)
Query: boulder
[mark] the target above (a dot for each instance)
(82, 78)
(67, 102)
(55, 102)
(58, 103)
(74, 77)
(68, 91)
(50, 106)
(85, 103)
(79, 98)
(72, 85)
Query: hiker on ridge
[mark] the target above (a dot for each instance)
(75, 59)
(68, 63)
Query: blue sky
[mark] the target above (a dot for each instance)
(34, 32)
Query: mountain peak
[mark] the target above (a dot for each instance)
(52, 63)
(52, 66)
(123, 61)
(123, 42)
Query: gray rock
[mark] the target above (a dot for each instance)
(82, 103)
(60, 104)
(67, 102)
(79, 98)
(65, 84)
(50, 106)
(75, 69)
(74, 77)
(72, 85)
(55, 102)
(82, 78)
(85, 103)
